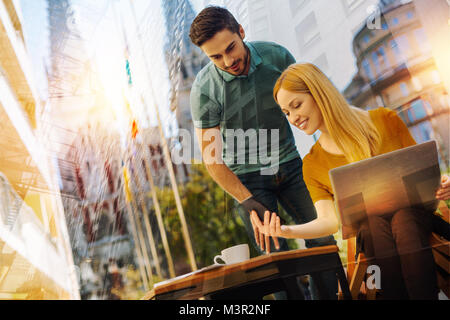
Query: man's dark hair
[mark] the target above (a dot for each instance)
(210, 21)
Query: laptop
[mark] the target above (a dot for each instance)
(385, 183)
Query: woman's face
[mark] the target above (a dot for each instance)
(301, 110)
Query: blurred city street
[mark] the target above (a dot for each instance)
(103, 192)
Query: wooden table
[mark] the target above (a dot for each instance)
(255, 278)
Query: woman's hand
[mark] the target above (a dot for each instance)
(324, 225)
(272, 226)
(443, 193)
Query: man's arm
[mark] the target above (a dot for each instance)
(210, 141)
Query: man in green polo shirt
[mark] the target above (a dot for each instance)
(246, 141)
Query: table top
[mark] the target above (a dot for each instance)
(204, 281)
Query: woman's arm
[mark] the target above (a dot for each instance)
(325, 224)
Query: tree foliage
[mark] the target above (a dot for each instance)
(211, 217)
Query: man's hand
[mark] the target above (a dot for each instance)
(262, 236)
(262, 231)
(210, 141)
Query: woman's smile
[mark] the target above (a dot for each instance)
(302, 125)
(301, 110)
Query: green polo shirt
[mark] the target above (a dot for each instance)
(256, 134)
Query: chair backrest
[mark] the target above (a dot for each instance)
(444, 213)
(441, 250)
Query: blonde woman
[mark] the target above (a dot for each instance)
(398, 241)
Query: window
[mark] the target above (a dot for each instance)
(404, 89)
(376, 62)
(417, 84)
(422, 40)
(417, 110)
(426, 130)
(383, 58)
(410, 14)
(422, 132)
(403, 116)
(403, 44)
(296, 5)
(384, 26)
(379, 60)
(395, 48)
(436, 77)
(395, 21)
(366, 38)
(367, 70)
(322, 63)
(307, 31)
(414, 112)
(352, 4)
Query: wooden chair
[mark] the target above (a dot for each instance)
(356, 270)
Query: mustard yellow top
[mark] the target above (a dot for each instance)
(318, 162)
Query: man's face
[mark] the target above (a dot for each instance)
(228, 52)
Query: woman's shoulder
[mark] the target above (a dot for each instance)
(386, 120)
(313, 152)
(382, 113)
(312, 160)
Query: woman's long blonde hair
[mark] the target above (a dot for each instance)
(351, 129)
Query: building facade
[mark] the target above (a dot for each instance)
(36, 259)
(397, 70)
(184, 61)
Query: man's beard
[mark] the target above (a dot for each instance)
(245, 60)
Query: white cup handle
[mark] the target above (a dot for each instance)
(218, 257)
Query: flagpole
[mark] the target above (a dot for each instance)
(166, 151)
(141, 238)
(154, 197)
(159, 215)
(147, 222)
(137, 247)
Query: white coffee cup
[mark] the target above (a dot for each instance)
(234, 254)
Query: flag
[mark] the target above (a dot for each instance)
(126, 185)
(127, 66)
(134, 129)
